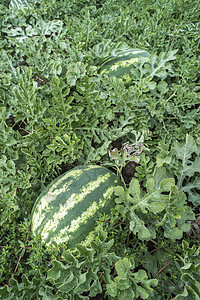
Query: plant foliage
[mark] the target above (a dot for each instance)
(56, 112)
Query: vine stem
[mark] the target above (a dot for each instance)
(119, 173)
(173, 40)
(176, 286)
(166, 264)
(21, 254)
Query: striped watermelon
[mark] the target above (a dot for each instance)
(66, 209)
(120, 65)
(18, 4)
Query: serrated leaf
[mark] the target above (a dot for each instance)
(192, 282)
(190, 272)
(152, 201)
(163, 87)
(159, 64)
(194, 197)
(166, 197)
(189, 170)
(187, 249)
(184, 153)
(185, 150)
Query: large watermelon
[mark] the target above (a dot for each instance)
(120, 65)
(66, 209)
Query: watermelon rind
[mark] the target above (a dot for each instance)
(120, 64)
(67, 208)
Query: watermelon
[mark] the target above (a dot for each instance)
(67, 208)
(17, 4)
(120, 64)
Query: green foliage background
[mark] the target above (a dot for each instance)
(56, 112)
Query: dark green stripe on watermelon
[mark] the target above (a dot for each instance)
(67, 208)
(120, 65)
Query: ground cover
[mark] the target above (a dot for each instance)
(57, 113)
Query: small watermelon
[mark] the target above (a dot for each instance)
(66, 210)
(120, 65)
(17, 4)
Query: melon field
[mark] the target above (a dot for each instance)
(109, 86)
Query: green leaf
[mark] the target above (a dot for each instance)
(111, 289)
(164, 200)
(187, 294)
(153, 200)
(5, 292)
(122, 267)
(69, 257)
(151, 263)
(55, 272)
(134, 188)
(95, 288)
(141, 291)
(191, 189)
(162, 160)
(136, 225)
(159, 68)
(158, 175)
(122, 283)
(173, 233)
(194, 167)
(152, 85)
(129, 283)
(185, 150)
(17, 287)
(68, 284)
